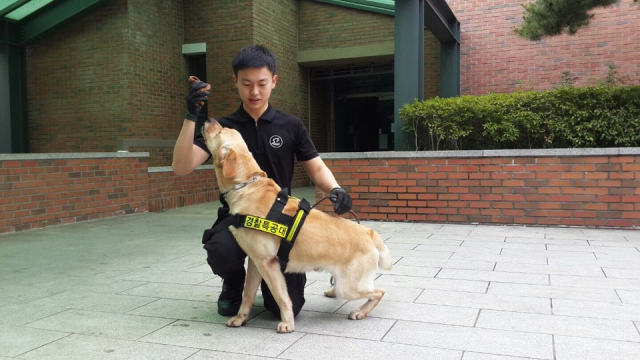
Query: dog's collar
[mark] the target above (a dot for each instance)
(244, 184)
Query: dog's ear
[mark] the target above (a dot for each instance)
(228, 159)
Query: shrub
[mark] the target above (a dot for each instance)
(596, 116)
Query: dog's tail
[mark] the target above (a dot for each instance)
(384, 261)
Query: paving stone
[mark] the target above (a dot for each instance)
(538, 259)
(627, 255)
(602, 310)
(438, 314)
(502, 245)
(186, 310)
(549, 269)
(622, 273)
(221, 355)
(15, 340)
(421, 254)
(559, 325)
(549, 253)
(629, 297)
(618, 264)
(464, 338)
(119, 326)
(595, 282)
(81, 347)
(486, 301)
(459, 249)
(176, 291)
(428, 283)
(320, 347)
(392, 293)
(598, 249)
(19, 314)
(477, 356)
(529, 240)
(177, 287)
(411, 271)
(493, 276)
(576, 348)
(245, 340)
(83, 300)
(560, 292)
(309, 322)
(173, 277)
(446, 264)
(402, 239)
(321, 303)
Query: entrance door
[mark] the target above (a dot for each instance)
(357, 124)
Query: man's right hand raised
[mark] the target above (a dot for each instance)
(195, 100)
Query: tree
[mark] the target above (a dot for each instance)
(547, 18)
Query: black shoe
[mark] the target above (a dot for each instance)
(231, 296)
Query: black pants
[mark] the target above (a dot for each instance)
(226, 259)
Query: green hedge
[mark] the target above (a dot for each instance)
(566, 117)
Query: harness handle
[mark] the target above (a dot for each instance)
(329, 197)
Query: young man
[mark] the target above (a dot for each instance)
(274, 138)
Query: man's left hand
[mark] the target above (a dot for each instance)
(341, 200)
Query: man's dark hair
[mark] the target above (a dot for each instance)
(254, 57)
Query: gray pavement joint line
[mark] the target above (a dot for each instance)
(289, 347)
(135, 287)
(154, 301)
(553, 345)
(618, 295)
(160, 328)
(390, 328)
(495, 264)
(475, 322)
(418, 297)
(38, 347)
(549, 279)
(397, 261)
(637, 326)
(604, 272)
(551, 302)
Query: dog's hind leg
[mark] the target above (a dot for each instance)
(374, 298)
(270, 271)
(353, 285)
(248, 297)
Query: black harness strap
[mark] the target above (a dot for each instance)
(277, 223)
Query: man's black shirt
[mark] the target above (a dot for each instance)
(273, 141)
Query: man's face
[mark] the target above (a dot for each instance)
(254, 86)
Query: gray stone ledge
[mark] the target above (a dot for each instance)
(66, 156)
(483, 153)
(158, 169)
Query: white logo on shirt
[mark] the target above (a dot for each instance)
(275, 141)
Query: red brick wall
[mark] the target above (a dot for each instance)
(494, 59)
(117, 72)
(43, 191)
(168, 190)
(577, 189)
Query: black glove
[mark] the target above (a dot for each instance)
(341, 200)
(194, 97)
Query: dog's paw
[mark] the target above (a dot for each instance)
(236, 321)
(357, 315)
(283, 327)
(330, 293)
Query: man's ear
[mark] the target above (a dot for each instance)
(228, 159)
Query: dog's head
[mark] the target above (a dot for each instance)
(231, 156)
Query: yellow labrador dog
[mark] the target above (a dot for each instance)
(349, 251)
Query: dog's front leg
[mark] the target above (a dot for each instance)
(270, 270)
(248, 297)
